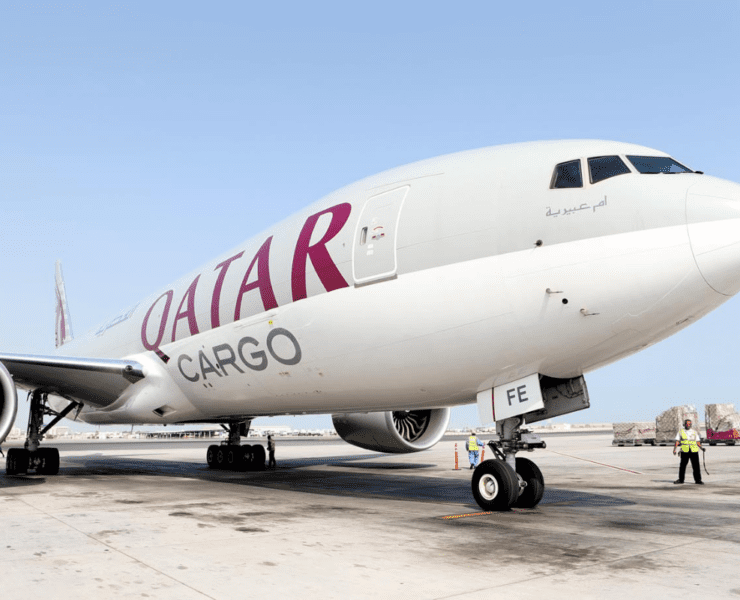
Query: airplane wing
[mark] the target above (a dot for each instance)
(94, 381)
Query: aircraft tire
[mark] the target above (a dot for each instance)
(211, 456)
(495, 485)
(53, 461)
(220, 457)
(10, 468)
(531, 474)
(17, 461)
(258, 457)
(233, 458)
(48, 461)
(10, 462)
(246, 453)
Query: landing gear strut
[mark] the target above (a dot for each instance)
(506, 480)
(45, 461)
(232, 456)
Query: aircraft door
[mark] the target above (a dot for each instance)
(374, 250)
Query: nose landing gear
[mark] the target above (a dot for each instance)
(506, 481)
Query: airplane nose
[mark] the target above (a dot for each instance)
(713, 219)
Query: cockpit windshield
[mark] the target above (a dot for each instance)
(604, 167)
(657, 164)
(567, 175)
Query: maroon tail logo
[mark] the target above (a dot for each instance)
(63, 327)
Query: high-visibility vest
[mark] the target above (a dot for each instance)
(472, 443)
(688, 445)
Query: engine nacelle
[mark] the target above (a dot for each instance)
(8, 402)
(397, 431)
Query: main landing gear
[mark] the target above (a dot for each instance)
(506, 480)
(44, 461)
(232, 456)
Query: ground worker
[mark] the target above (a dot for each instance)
(271, 451)
(473, 446)
(690, 442)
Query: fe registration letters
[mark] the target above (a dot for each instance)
(510, 400)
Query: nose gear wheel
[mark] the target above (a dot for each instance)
(495, 485)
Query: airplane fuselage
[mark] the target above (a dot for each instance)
(421, 286)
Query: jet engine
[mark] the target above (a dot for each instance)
(8, 402)
(398, 431)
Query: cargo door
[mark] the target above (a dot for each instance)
(374, 251)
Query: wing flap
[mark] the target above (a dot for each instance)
(95, 381)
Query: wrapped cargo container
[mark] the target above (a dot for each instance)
(722, 423)
(634, 433)
(670, 422)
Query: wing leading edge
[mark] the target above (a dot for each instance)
(95, 381)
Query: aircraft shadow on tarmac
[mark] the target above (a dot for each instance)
(20, 481)
(293, 475)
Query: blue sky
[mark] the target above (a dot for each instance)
(139, 140)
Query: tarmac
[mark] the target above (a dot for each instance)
(150, 520)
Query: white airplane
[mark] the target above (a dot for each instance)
(498, 276)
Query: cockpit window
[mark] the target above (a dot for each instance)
(604, 167)
(657, 164)
(567, 175)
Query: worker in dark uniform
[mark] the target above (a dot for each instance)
(271, 451)
(690, 442)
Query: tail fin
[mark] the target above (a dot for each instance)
(63, 323)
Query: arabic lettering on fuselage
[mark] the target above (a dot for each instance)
(324, 266)
(570, 211)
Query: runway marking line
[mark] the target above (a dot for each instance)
(478, 514)
(597, 463)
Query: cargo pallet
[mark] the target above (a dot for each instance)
(633, 442)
